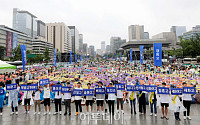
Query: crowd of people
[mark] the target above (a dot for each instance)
(102, 74)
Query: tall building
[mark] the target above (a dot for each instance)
(103, 48)
(168, 36)
(115, 43)
(146, 35)
(60, 36)
(192, 33)
(107, 48)
(136, 32)
(85, 48)
(178, 30)
(99, 52)
(41, 28)
(75, 39)
(80, 43)
(92, 50)
(25, 22)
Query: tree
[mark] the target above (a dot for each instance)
(46, 55)
(17, 55)
(2, 52)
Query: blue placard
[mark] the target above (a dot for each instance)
(56, 88)
(11, 86)
(110, 90)
(120, 86)
(151, 88)
(100, 91)
(157, 54)
(189, 90)
(130, 88)
(44, 81)
(66, 89)
(1, 91)
(88, 92)
(33, 87)
(140, 88)
(162, 90)
(24, 88)
(176, 91)
(77, 92)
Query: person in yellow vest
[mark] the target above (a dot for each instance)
(153, 103)
(132, 97)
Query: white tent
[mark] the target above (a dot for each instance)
(5, 67)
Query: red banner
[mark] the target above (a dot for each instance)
(9, 43)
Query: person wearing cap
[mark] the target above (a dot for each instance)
(164, 100)
(58, 99)
(100, 99)
(89, 100)
(78, 99)
(67, 101)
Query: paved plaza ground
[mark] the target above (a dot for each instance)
(31, 119)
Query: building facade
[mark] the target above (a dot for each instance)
(41, 29)
(146, 35)
(115, 43)
(25, 22)
(178, 30)
(103, 47)
(60, 36)
(169, 36)
(136, 32)
(91, 48)
(75, 39)
(80, 43)
(107, 49)
(85, 48)
(192, 33)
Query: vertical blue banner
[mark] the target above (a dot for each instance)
(112, 57)
(83, 57)
(157, 54)
(55, 59)
(75, 57)
(80, 57)
(141, 54)
(131, 55)
(23, 51)
(15, 37)
(70, 58)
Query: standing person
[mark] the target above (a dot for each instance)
(164, 100)
(58, 99)
(37, 101)
(153, 103)
(142, 103)
(46, 97)
(132, 97)
(177, 106)
(111, 100)
(78, 100)
(100, 99)
(2, 96)
(120, 99)
(89, 100)
(67, 101)
(27, 100)
(187, 99)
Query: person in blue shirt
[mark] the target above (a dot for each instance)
(2, 96)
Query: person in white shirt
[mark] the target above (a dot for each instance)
(37, 101)
(187, 98)
(27, 100)
(164, 100)
(67, 101)
(46, 97)
(58, 99)
(100, 98)
(120, 99)
(78, 99)
(111, 100)
(89, 100)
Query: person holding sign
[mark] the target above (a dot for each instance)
(78, 99)
(111, 97)
(37, 101)
(142, 102)
(153, 102)
(89, 100)
(187, 98)
(132, 97)
(46, 97)
(27, 100)
(58, 99)
(120, 91)
(67, 100)
(2, 95)
(100, 97)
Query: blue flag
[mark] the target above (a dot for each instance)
(157, 54)
(99, 90)
(110, 90)
(75, 57)
(55, 59)
(83, 57)
(189, 90)
(130, 88)
(80, 57)
(131, 55)
(120, 86)
(70, 58)
(141, 54)
(88, 92)
(11, 86)
(44, 81)
(66, 89)
(176, 91)
(77, 92)
(162, 90)
(151, 88)
(23, 51)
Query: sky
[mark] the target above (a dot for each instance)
(98, 20)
